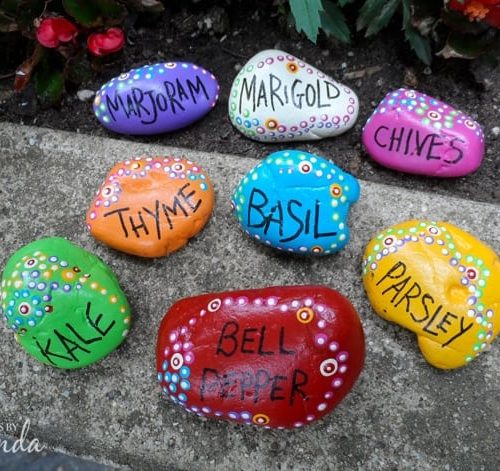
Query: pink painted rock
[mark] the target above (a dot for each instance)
(415, 133)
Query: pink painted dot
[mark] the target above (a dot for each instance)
(92, 215)
(258, 302)
(343, 369)
(202, 312)
(173, 336)
(283, 308)
(310, 418)
(322, 406)
(329, 395)
(177, 347)
(336, 119)
(343, 356)
(336, 383)
(183, 330)
(187, 345)
(272, 301)
(188, 358)
(334, 346)
(192, 321)
(166, 351)
(320, 339)
(321, 324)
(228, 302)
(242, 301)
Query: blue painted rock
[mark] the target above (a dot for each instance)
(277, 97)
(415, 133)
(156, 98)
(277, 357)
(64, 304)
(298, 202)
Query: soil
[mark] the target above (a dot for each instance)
(222, 40)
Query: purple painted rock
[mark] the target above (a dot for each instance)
(156, 98)
(415, 133)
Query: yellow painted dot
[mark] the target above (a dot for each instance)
(113, 299)
(126, 320)
(93, 285)
(103, 291)
(123, 309)
(46, 274)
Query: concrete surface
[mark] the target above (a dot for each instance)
(402, 413)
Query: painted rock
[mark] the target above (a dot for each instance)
(415, 133)
(64, 304)
(296, 201)
(156, 98)
(151, 206)
(439, 282)
(277, 97)
(277, 357)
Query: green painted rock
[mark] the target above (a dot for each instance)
(63, 303)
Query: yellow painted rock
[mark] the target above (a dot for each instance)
(439, 282)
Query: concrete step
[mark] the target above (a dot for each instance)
(401, 414)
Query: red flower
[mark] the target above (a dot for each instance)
(102, 44)
(52, 31)
(479, 10)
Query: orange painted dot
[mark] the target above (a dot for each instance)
(336, 190)
(271, 123)
(292, 67)
(305, 315)
(260, 419)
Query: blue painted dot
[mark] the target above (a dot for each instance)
(67, 288)
(35, 274)
(203, 186)
(31, 284)
(255, 122)
(184, 66)
(172, 387)
(164, 365)
(41, 286)
(161, 71)
(248, 124)
(31, 323)
(9, 312)
(238, 120)
(137, 77)
(64, 264)
(175, 378)
(17, 294)
(18, 321)
(36, 300)
(25, 293)
(185, 384)
(53, 259)
(54, 285)
(168, 376)
(182, 397)
(148, 76)
(160, 377)
(185, 372)
(39, 313)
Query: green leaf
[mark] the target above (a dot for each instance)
(307, 16)
(49, 83)
(333, 22)
(463, 46)
(92, 13)
(383, 18)
(369, 11)
(419, 44)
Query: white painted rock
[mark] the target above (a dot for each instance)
(277, 97)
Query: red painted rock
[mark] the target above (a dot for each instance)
(276, 357)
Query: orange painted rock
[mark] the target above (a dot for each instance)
(151, 206)
(277, 357)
